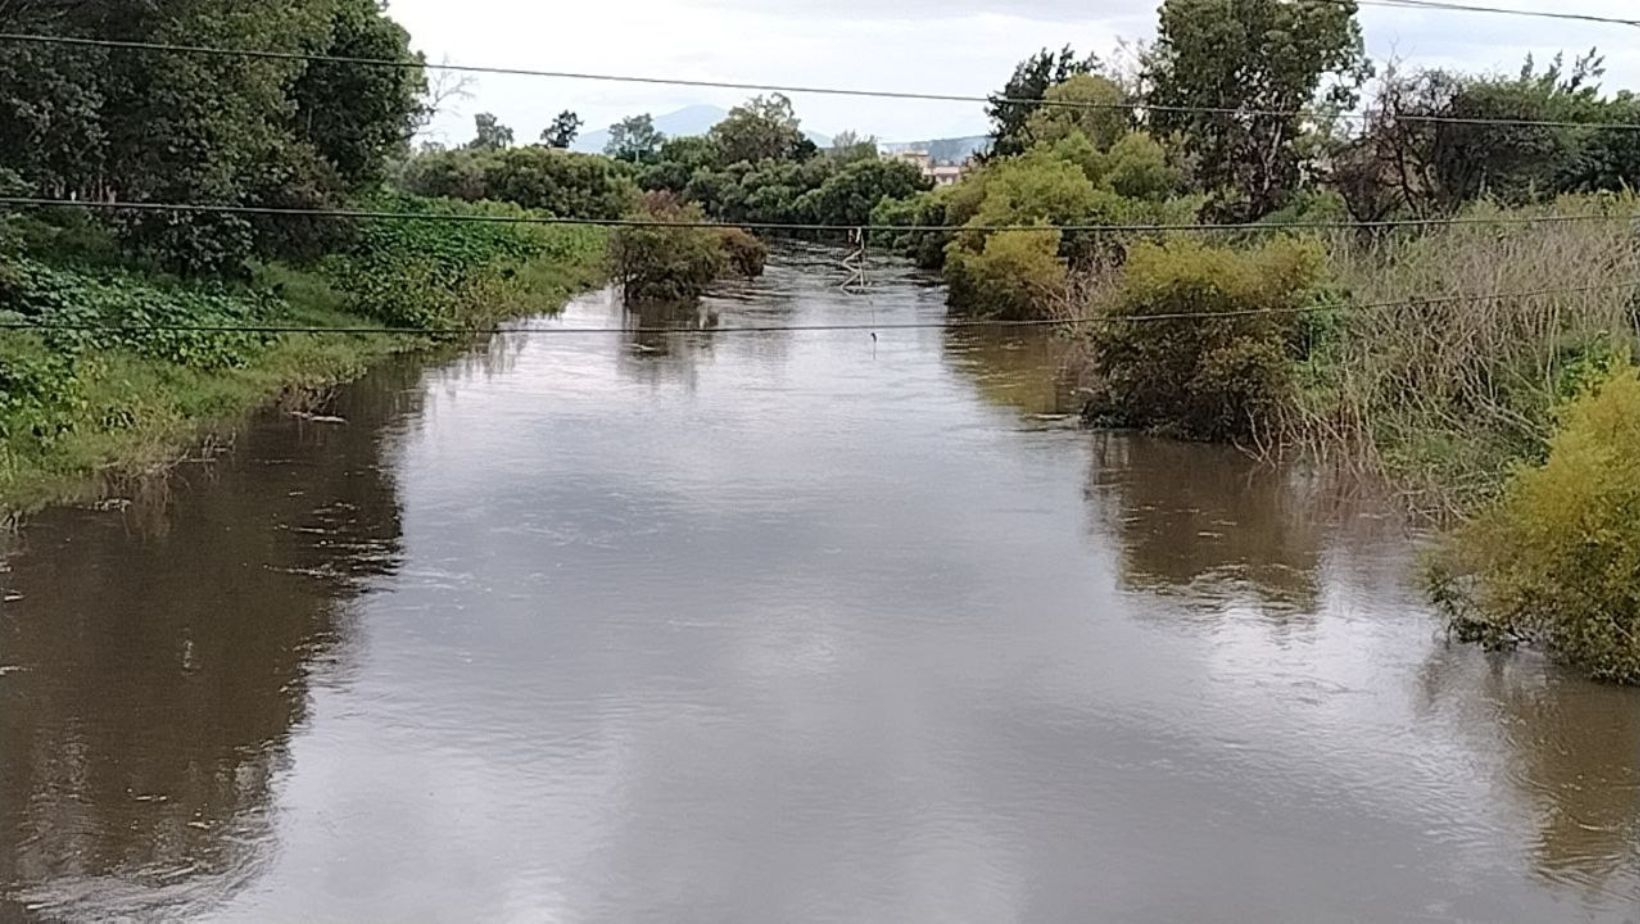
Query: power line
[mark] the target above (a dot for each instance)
(405, 64)
(948, 324)
(378, 215)
(1442, 6)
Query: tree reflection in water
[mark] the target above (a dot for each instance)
(146, 709)
(1570, 753)
(1208, 524)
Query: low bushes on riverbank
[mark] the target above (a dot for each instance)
(130, 368)
(1556, 561)
(1443, 359)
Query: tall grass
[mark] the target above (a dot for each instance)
(1443, 395)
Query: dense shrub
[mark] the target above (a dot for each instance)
(117, 311)
(39, 392)
(1017, 274)
(666, 264)
(558, 182)
(1556, 561)
(924, 210)
(1220, 360)
(848, 197)
(745, 252)
(436, 273)
(1071, 181)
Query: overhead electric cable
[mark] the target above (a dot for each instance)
(406, 63)
(1447, 7)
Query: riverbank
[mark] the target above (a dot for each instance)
(88, 410)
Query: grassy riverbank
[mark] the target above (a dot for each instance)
(113, 392)
(1484, 368)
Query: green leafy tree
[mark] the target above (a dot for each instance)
(1031, 81)
(559, 182)
(565, 127)
(634, 139)
(850, 195)
(763, 128)
(679, 160)
(1250, 60)
(1093, 105)
(208, 129)
(359, 118)
(489, 134)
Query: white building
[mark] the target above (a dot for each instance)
(941, 174)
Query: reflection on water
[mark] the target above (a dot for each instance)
(1209, 522)
(1573, 763)
(779, 626)
(158, 660)
(1030, 371)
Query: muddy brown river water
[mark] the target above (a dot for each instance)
(773, 627)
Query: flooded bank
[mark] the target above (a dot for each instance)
(806, 626)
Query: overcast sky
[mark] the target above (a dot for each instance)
(945, 46)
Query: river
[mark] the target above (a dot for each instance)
(785, 626)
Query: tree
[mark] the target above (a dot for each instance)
(1093, 105)
(849, 197)
(668, 261)
(848, 147)
(277, 131)
(763, 128)
(534, 177)
(1254, 60)
(679, 160)
(1426, 147)
(563, 130)
(490, 134)
(634, 139)
(1031, 81)
(358, 118)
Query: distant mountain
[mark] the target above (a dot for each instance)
(943, 150)
(693, 120)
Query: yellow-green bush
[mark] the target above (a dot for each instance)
(1556, 560)
(1017, 274)
(1205, 341)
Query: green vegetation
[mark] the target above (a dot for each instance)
(1385, 350)
(1555, 561)
(1268, 56)
(660, 264)
(79, 406)
(543, 178)
(156, 328)
(1220, 358)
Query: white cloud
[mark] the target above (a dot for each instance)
(947, 46)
